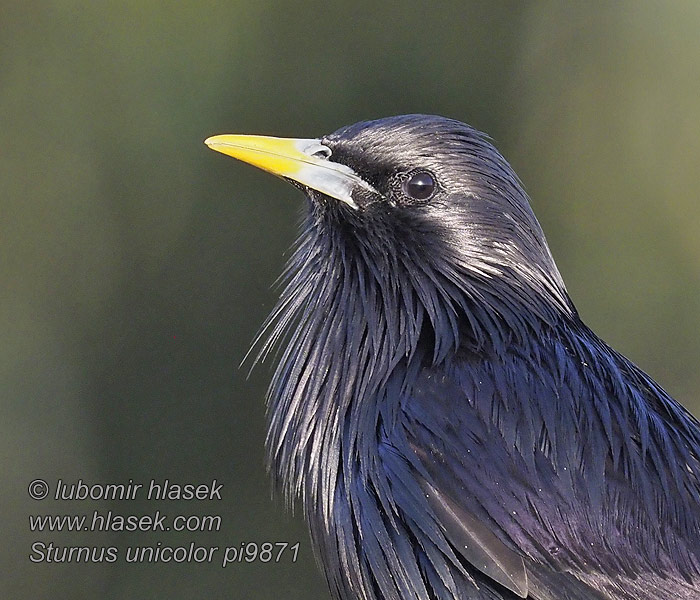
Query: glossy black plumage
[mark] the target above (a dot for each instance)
(453, 429)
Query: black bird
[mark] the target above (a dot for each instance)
(453, 428)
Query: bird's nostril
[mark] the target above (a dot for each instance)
(323, 153)
(314, 149)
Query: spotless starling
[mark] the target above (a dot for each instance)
(452, 427)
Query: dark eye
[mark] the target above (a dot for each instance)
(419, 186)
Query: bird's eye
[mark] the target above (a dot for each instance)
(419, 186)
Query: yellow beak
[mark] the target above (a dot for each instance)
(306, 161)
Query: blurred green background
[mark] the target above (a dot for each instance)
(137, 265)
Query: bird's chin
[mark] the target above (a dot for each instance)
(322, 204)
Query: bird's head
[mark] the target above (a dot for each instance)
(423, 200)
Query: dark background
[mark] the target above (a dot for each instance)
(136, 265)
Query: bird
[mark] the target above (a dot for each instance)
(451, 427)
